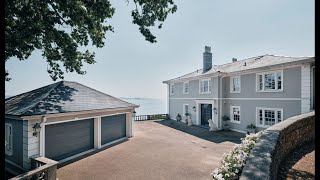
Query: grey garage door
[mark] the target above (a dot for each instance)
(63, 140)
(113, 128)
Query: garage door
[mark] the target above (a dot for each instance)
(63, 140)
(113, 128)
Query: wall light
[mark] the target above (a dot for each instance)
(36, 129)
(194, 108)
(214, 110)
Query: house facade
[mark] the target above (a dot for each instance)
(62, 121)
(261, 90)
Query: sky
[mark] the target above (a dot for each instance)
(129, 66)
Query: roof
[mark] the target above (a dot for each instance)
(61, 97)
(245, 64)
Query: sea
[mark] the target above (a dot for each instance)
(148, 105)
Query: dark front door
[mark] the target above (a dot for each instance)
(206, 113)
(63, 140)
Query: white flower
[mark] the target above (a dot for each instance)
(219, 177)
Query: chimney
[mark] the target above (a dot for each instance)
(207, 59)
(234, 59)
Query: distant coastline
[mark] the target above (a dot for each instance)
(148, 105)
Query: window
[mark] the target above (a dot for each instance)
(185, 109)
(235, 84)
(205, 86)
(171, 89)
(235, 114)
(8, 139)
(268, 116)
(271, 81)
(186, 88)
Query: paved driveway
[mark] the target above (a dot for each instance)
(159, 150)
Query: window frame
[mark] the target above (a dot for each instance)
(9, 152)
(232, 115)
(276, 110)
(231, 84)
(184, 86)
(263, 81)
(209, 86)
(171, 89)
(184, 109)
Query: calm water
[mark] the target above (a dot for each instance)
(148, 105)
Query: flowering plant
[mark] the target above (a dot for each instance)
(233, 162)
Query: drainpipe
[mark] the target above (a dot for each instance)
(220, 99)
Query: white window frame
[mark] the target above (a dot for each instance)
(184, 86)
(263, 82)
(263, 116)
(231, 84)
(9, 151)
(232, 115)
(171, 89)
(209, 86)
(184, 109)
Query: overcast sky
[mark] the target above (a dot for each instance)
(129, 66)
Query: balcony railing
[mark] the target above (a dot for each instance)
(42, 169)
(150, 117)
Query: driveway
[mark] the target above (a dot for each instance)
(162, 149)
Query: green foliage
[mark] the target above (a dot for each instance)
(225, 118)
(60, 27)
(251, 126)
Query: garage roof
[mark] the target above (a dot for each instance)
(61, 97)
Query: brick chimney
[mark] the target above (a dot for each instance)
(207, 59)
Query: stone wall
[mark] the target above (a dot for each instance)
(276, 143)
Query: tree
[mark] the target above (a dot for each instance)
(59, 27)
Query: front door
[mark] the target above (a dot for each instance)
(206, 113)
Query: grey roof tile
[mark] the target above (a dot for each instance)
(251, 63)
(61, 97)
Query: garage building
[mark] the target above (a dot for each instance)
(62, 121)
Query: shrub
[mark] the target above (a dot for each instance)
(233, 163)
(225, 118)
(251, 126)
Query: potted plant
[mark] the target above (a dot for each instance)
(225, 119)
(178, 117)
(251, 128)
(188, 120)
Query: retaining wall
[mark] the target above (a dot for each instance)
(276, 143)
